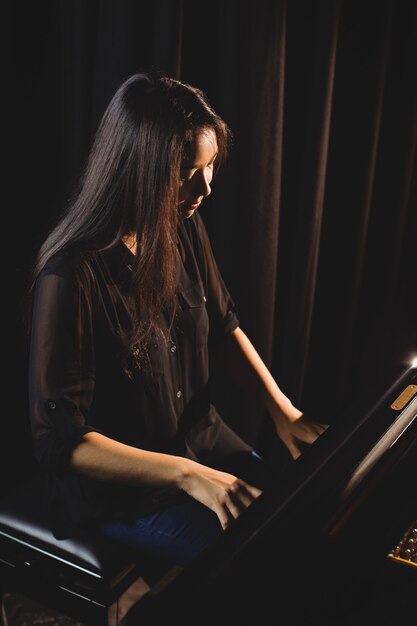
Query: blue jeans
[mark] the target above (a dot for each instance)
(183, 530)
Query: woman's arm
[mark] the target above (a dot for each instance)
(239, 357)
(100, 457)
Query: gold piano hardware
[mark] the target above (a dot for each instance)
(404, 397)
(406, 551)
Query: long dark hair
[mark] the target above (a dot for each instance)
(130, 186)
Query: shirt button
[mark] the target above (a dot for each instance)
(173, 348)
(179, 394)
(51, 404)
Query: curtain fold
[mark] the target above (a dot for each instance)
(266, 172)
(309, 205)
(167, 40)
(313, 220)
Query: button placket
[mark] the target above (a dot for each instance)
(173, 349)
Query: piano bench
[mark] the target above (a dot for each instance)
(91, 579)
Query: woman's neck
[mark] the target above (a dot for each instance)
(130, 242)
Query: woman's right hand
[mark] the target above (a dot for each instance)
(103, 458)
(221, 492)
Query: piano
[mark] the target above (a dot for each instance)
(333, 543)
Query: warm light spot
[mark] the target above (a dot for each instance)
(414, 362)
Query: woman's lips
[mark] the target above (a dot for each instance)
(190, 207)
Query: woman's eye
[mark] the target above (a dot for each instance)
(185, 176)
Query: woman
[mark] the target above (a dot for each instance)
(128, 307)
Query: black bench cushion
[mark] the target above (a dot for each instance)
(22, 520)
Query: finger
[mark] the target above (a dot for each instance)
(238, 498)
(318, 426)
(234, 508)
(311, 435)
(242, 499)
(245, 491)
(294, 451)
(254, 492)
(229, 510)
(223, 516)
(306, 438)
(244, 496)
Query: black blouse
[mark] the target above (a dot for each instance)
(80, 380)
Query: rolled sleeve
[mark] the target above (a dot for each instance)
(67, 427)
(61, 368)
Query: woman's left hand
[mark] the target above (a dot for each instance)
(295, 429)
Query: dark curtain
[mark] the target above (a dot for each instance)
(314, 219)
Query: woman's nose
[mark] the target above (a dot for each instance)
(203, 185)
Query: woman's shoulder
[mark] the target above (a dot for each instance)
(72, 264)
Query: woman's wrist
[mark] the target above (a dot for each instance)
(182, 472)
(282, 410)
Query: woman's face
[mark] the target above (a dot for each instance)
(197, 172)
